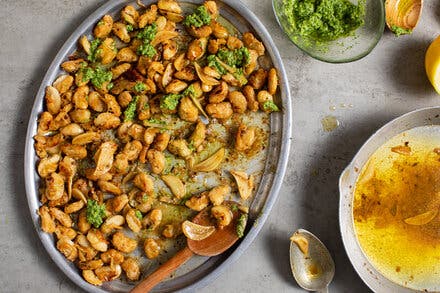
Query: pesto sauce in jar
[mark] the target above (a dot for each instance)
(324, 20)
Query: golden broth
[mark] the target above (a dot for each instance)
(396, 209)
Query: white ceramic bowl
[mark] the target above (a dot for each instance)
(372, 277)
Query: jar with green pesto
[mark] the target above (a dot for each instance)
(324, 20)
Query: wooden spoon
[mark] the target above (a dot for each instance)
(215, 244)
(403, 14)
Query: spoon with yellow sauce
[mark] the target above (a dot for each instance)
(402, 16)
(312, 265)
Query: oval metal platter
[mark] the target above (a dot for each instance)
(375, 280)
(207, 269)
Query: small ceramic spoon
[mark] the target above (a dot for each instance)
(312, 265)
(403, 14)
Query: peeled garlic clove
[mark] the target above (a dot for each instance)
(196, 232)
(85, 44)
(76, 193)
(163, 36)
(211, 163)
(199, 134)
(203, 77)
(422, 219)
(68, 168)
(175, 185)
(176, 17)
(245, 183)
(85, 138)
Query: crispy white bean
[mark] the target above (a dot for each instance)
(131, 268)
(151, 248)
(123, 243)
(97, 240)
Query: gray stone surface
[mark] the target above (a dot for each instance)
(363, 95)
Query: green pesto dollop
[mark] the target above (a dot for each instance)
(147, 34)
(324, 20)
(97, 76)
(95, 212)
(130, 111)
(270, 106)
(140, 87)
(213, 62)
(189, 91)
(146, 49)
(235, 58)
(138, 215)
(170, 101)
(94, 51)
(199, 18)
(398, 31)
(129, 28)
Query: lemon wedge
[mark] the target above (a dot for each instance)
(432, 64)
(196, 232)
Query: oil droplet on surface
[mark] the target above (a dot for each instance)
(329, 123)
(332, 108)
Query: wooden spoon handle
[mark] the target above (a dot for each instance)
(163, 271)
